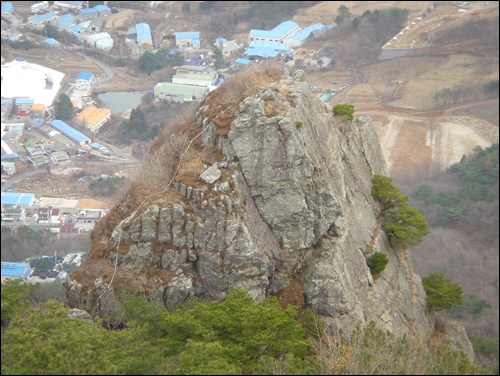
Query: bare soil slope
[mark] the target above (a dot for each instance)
(416, 137)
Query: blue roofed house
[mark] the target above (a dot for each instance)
(103, 10)
(87, 14)
(84, 80)
(79, 27)
(51, 42)
(188, 39)
(65, 21)
(143, 35)
(242, 61)
(24, 104)
(40, 21)
(15, 270)
(7, 8)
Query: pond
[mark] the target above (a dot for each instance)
(119, 101)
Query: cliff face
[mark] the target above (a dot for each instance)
(287, 212)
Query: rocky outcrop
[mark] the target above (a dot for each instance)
(289, 205)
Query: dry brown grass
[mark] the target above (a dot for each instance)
(224, 101)
(292, 295)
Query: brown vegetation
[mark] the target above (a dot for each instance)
(224, 101)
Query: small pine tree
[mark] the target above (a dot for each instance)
(377, 262)
(404, 225)
(441, 292)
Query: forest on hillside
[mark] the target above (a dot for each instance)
(462, 210)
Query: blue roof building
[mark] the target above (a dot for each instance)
(301, 36)
(7, 8)
(65, 21)
(25, 101)
(85, 76)
(70, 132)
(188, 39)
(24, 104)
(103, 10)
(87, 14)
(240, 60)
(15, 270)
(43, 17)
(266, 50)
(143, 34)
(18, 198)
(276, 35)
(79, 26)
(221, 41)
(51, 42)
(78, 36)
(38, 122)
(13, 156)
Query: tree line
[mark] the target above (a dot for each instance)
(235, 336)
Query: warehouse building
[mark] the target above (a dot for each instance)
(188, 39)
(276, 35)
(65, 22)
(266, 50)
(21, 79)
(143, 33)
(179, 93)
(93, 118)
(18, 198)
(103, 10)
(298, 38)
(195, 75)
(103, 41)
(40, 21)
(70, 132)
(15, 270)
(7, 9)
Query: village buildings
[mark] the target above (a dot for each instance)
(93, 118)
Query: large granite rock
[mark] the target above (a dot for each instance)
(288, 203)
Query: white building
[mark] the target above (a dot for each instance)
(225, 46)
(195, 75)
(38, 7)
(68, 5)
(84, 80)
(179, 93)
(103, 41)
(21, 79)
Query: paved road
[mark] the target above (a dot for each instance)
(105, 68)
